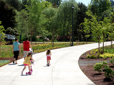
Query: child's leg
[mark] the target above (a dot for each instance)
(23, 69)
(49, 62)
(29, 67)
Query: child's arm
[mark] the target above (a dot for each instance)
(31, 58)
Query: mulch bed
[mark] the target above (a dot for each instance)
(94, 76)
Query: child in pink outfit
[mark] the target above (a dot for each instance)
(48, 55)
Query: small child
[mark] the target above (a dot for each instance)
(27, 62)
(48, 54)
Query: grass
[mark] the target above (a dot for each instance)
(3, 62)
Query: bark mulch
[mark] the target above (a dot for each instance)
(88, 70)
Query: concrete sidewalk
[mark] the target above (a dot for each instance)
(64, 69)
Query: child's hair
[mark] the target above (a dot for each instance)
(29, 54)
(48, 52)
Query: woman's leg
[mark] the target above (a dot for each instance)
(17, 54)
(14, 57)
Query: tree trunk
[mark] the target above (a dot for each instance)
(99, 45)
(0, 48)
(70, 38)
(103, 42)
(86, 40)
(111, 43)
(31, 37)
(53, 38)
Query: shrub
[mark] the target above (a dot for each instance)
(98, 67)
(112, 61)
(104, 63)
(106, 55)
(108, 72)
(91, 56)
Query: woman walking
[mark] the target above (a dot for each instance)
(16, 48)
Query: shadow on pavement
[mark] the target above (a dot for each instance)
(12, 64)
(21, 65)
(46, 66)
(24, 75)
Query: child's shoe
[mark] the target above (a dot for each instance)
(48, 64)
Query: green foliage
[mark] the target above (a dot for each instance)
(98, 67)
(14, 3)
(108, 72)
(104, 63)
(35, 11)
(109, 50)
(106, 55)
(22, 22)
(2, 35)
(11, 31)
(78, 30)
(92, 54)
(99, 6)
(112, 61)
(7, 15)
(64, 17)
(57, 2)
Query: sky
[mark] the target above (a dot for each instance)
(86, 2)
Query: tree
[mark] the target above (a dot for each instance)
(14, 3)
(55, 2)
(64, 16)
(11, 31)
(99, 6)
(97, 28)
(51, 24)
(22, 23)
(34, 13)
(78, 31)
(7, 15)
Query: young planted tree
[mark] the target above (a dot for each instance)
(111, 32)
(99, 29)
(93, 26)
(105, 27)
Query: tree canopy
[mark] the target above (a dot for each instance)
(7, 15)
(99, 6)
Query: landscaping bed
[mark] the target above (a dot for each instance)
(87, 66)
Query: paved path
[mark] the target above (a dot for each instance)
(64, 69)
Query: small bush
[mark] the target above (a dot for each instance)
(98, 67)
(112, 61)
(91, 56)
(106, 55)
(108, 72)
